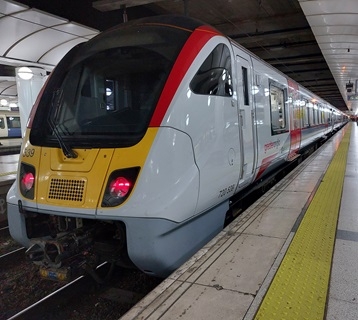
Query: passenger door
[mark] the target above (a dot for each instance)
(295, 120)
(246, 118)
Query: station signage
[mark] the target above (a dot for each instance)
(352, 97)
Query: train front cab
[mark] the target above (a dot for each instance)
(74, 164)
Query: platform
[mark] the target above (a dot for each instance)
(10, 146)
(8, 169)
(284, 257)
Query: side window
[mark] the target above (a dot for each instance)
(278, 108)
(214, 75)
(2, 123)
(306, 120)
(319, 113)
(13, 122)
(110, 94)
(323, 115)
(245, 86)
(310, 114)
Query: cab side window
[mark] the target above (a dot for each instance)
(214, 75)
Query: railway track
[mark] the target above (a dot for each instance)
(44, 308)
(17, 275)
(7, 244)
(9, 250)
(13, 255)
(4, 230)
(39, 309)
(83, 298)
(25, 295)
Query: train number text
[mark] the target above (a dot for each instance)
(29, 152)
(226, 191)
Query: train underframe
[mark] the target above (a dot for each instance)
(67, 247)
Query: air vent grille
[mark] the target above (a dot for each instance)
(67, 189)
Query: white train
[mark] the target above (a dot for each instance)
(142, 136)
(10, 125)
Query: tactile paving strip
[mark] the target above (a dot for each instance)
(7, 173)
(300, 286)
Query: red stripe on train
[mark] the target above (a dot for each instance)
(264, 165)
(190, 50)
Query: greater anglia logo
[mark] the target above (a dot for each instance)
(271, 145)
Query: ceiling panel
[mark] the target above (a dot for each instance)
(8, 88)
(335, 26)
(33, 37)
(77, 30)
(56, 53)
(32, 47)
(331, 6)
(38, 17)
(9, 7)
(16, 30)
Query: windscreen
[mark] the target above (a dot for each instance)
(106, 94)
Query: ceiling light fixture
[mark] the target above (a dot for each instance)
(25, 73)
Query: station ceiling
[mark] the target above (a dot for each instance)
(315, 42)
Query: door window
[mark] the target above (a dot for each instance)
(278, 108)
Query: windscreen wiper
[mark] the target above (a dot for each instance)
(56, 101)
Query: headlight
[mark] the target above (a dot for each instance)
(119, 186)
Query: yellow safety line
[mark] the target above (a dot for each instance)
(300, 286)
(7, 173)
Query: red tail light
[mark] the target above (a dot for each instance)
(119, 186)
(27, 180)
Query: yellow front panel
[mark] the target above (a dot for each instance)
(80, 182)
(69, 184)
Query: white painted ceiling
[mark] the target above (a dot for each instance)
(335, 27)
(30, 37)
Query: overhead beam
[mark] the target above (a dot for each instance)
(287, 52)
(110, 5)
(275, 36)
(282, 46)
(7, 71)
(239, 28)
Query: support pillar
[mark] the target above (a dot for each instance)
(29, 82)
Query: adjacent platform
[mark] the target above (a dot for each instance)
(9, 157)
(8, 169)
(10, 146)
(284, 258)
